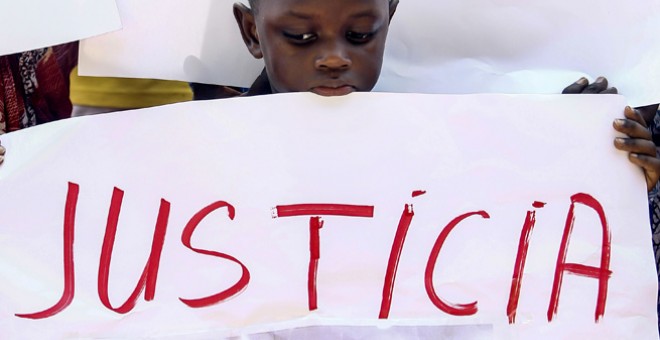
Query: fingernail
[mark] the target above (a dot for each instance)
(2, 158)
(620, 140)
(582, 81)
(619, 122)
(600, 79)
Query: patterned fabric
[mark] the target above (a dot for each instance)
(654, 208)
(655, 129)
(34, 86)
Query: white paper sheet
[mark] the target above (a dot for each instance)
(503, 46)
(499, 154)
(31, 24)
(194, 41)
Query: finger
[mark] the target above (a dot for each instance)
(638, 146)
(576, 87)
(597, 86)
(651, 166)
(2, 154)
(635, 115)
(632, 128)
(610, 90)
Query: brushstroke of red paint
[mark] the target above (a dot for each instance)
(521, 257)
(69, 275)
(539, 204)
(453, 309)
(418, 193)
(315, 225)
(602, 273)
(149, 274)
(186, 238)
(393, 263)
(324, 210)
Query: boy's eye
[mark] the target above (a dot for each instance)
(359, 37)
(300, 38)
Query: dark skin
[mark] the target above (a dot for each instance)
(639, 145)
(330, 48)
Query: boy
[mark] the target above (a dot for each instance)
(330, 48)
(333, 48)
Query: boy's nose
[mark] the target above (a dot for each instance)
(333, 60)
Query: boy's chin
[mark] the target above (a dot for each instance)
(333, 91)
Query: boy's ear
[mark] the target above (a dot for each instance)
(246, 23)
(393, 4)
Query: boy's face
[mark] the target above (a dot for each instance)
(329, 47)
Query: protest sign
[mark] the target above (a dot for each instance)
(450, 46)
(371, 215)
(28, 25)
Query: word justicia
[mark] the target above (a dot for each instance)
(315, 213)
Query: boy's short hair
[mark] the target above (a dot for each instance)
(253, 3)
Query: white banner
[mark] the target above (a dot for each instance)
(31, 24)
(449, 46)
(370, 215)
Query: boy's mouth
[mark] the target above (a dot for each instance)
(328, 91)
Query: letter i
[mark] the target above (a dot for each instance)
(521, 257)
(395, 255)
(315, 225)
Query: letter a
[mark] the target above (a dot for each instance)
(602, 273)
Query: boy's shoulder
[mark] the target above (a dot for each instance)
(260, 86)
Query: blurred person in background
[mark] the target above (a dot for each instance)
(34, 87)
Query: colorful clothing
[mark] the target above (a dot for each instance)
(34, 86)
(126, 93)
(654, 206)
